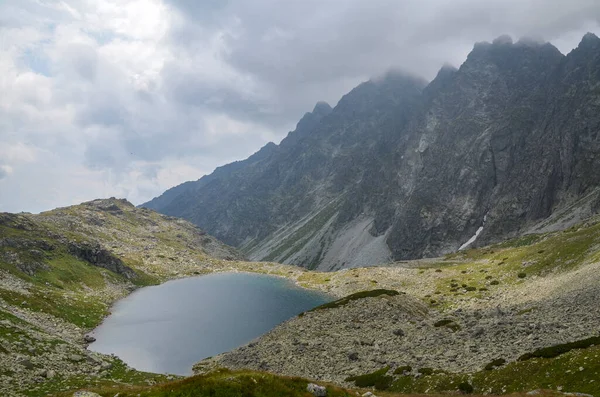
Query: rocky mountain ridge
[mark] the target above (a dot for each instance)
(404, 169)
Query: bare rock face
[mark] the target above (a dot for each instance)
(403, 169)
(101, 257)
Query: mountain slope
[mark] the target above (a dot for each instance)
(61, 270)
(511, 317)
(403, 169)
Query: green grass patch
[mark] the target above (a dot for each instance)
(378, 379)
(401, 370)
(223, 383)
(557, 350)
(495, 364)
(575, 371)
(119, 377)
(74, 308)
(356, 296)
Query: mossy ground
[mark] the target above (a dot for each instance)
(575, 371)
(224, 383)
(221, 383)
(356, 296)
(119, 376)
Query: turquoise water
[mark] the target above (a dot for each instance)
(170, 327)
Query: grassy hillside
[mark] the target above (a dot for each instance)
(61, 270)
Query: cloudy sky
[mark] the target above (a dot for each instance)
(124, 98)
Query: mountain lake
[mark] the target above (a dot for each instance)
(169, 327)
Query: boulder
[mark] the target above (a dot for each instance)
(399, 332)
(89, 339)
(49, 374)
(316, 390)
(27, 364)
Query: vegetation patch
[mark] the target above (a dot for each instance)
(466, 387)
(557, 350)
(448, 323)
(401, 370)
(356, 296)
(378, 379)
(575, 371)
(495, 364)
(222, 383)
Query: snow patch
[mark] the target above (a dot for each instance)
(474, 237)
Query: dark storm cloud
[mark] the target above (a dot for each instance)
(303, 51)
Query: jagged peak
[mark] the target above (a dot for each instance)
(589, 40)
(445, 70)
(503, 40)
(269, 146)
(504, 46)
(531, 41)
(398, 75)
(322, 107)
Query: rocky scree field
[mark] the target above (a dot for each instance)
(512, 317)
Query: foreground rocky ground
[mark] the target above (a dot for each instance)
(60, 271)
(456, 315)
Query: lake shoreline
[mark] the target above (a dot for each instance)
(196, 317)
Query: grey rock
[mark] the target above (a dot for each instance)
(85, 394)
(479, 331)
(578, 394)
(399, 332)
(89, 339)
(316, 390)
(49, 374)
(27, 364)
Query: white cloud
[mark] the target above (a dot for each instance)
(129, 97)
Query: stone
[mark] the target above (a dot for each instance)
(575, 394)
(478, 332)
(399, 332)
(353, 356)
(89, 339)
(75, 357)
(49, 374)
(27, 364)
(86, 394)
(316, 390)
